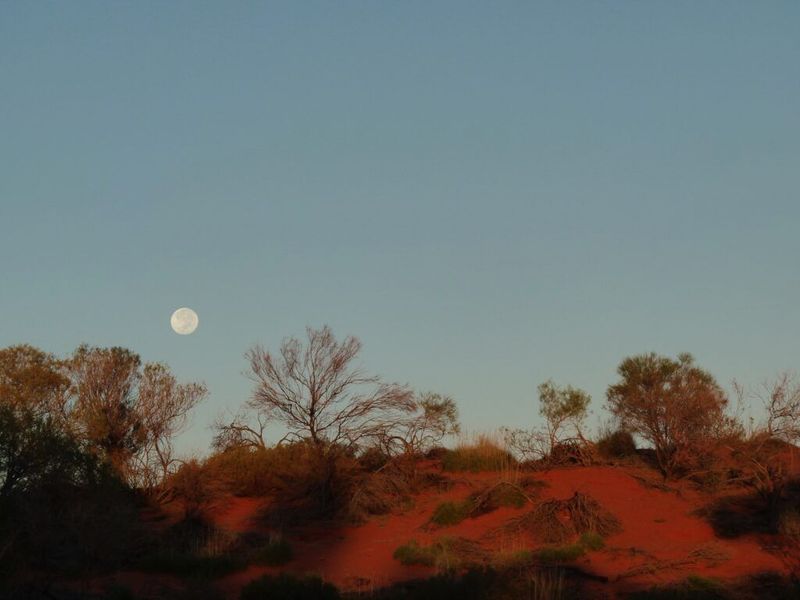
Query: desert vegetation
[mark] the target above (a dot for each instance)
(91, 485)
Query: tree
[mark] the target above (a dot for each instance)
(564, 410)
(128, 413)
(320, 396)
(31, 379)
(673, 404)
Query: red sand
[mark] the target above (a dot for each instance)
(660, 531)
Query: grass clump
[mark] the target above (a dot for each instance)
(447, 554)
(561, 554)
(287, 587)
(414, 554)
(482, 454)
(451, 513)
(592, 541)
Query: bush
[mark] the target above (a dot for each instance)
(561, 554)
(276, 552)
(287, 587)
(556, 521)
(616, 444)
(482, 455)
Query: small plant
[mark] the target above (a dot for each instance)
(451, 513)
(276, 552)
(287, 587)
(693, 587)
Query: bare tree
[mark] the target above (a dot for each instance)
(317, 393)
(239, 433)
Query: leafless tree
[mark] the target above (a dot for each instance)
(320, 396)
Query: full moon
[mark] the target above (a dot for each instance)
(184, 321)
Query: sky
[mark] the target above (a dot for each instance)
(487, 194)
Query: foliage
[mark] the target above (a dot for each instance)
(194, 486)
(432, 418)
(673, 404)
(556, 521)
(32, 380)
(288, 587)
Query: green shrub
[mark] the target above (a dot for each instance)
(447, 554)
(287, 587)
(616, 444)
(277, 551)
(561, 554)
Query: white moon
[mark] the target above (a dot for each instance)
(184, 321)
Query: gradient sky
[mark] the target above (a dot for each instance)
(487, 194)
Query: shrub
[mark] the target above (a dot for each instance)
(616, 444)
(287, 587)
(277, 551)
(483, 454)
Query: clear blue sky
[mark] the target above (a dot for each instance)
(487, 194)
